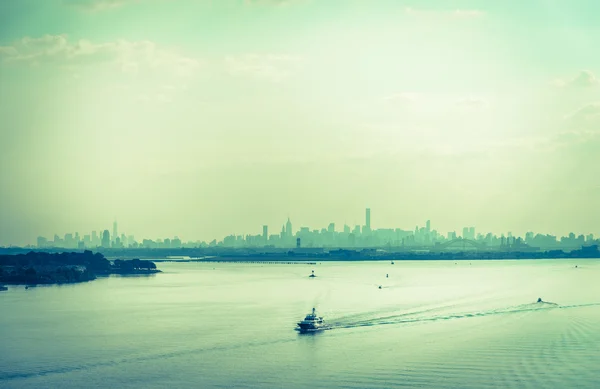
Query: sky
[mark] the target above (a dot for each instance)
(205, 118)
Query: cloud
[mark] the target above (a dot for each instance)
(404, 98)
(471, 103)
(549, 143)
(271, 67)
(451, 14)
(98, 5)
(587, 116)
(467, 13)
(584, 79)
(279, 3)
(129, 56)
(433, 102)
(159, 98)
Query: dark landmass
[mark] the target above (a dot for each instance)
(59, 268)
(266, 254)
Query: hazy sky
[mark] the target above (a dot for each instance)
(209, 117)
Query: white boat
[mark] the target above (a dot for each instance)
(312, 323)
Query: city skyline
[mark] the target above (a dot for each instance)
(358, 235)
(206, 118)
(275, 227)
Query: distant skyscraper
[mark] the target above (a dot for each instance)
(265, 234)
(42, 242)
(529, 236)
(428, 225)
(368, 219)
(106, 239)
(115, 231)
(288, 228)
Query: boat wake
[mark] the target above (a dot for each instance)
(423, 316)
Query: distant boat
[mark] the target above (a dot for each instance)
(380, 287)
(392, 262)
(312, 323)
(539, 300)
(313, 274)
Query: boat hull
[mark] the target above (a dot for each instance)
(302, 327)
(307, 330)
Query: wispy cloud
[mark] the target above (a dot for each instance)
(98, 5)
(437, 102)
(471, 103)
(278, 3)
(586, 117)
(453, 14)
(403, 98)
(128, 56)
(270, 67)
(584, 79)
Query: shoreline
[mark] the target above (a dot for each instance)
(312, 254)
(42, 268)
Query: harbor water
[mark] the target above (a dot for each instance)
(437, 324)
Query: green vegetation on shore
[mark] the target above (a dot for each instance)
(48, 268)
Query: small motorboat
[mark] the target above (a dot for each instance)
(312, 275)
(380, 286)
(312, 323)
(539, 300)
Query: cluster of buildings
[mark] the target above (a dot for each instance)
(421, 237)
(104, 239)
(348, 237)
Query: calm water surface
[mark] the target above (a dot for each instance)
(437, 324)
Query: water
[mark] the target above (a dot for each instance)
(437, 324)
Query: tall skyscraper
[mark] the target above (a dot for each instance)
(265, 234)
(368, 219)
(115, 231)
(465, 233)
(106, 239)
(288, 228)
(428, 225)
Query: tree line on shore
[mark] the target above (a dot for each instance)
(68, 267)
